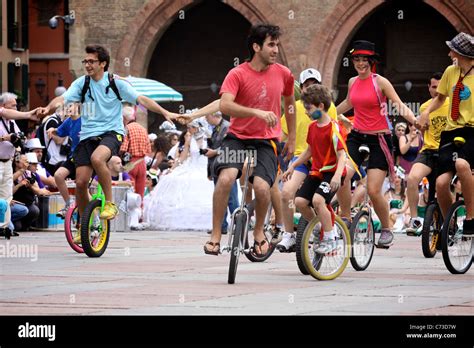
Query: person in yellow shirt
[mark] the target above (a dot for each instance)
(427, 161)
(457, 83)
(308, 77)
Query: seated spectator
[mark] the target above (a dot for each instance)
(398, 204)
(34, 145)
(160, 148)
(410, 144)
(25, 190)
(151, 181)
(119, 177)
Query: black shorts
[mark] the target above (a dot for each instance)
(313, 185)
(377, 158)
(233, 152)
(83, 153)
(448, 151)
(429, 158)
(69, 165)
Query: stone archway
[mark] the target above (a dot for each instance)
(149, 24)
(327, 50)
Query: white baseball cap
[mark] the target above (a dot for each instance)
(310, 74)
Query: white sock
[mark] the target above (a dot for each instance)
(329, 235)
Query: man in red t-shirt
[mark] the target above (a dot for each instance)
(328, 164)
(251, 95)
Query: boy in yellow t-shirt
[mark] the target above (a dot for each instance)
(427, 160)
(457, 83)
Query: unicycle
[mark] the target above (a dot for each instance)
(95, 231)
(71, 224)
(238, 242)
(331, 265)
(456, 247)
(431, 231)
(362, 229)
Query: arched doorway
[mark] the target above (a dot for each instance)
(197, 51)
(410, 38)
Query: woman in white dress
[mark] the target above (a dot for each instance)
(182, 200)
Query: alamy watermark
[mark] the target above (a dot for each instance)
(87, 109)
(21, 251)
(229, 156)
(393, 109)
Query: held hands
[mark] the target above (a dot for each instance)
(33, 115)
(423, 123)
(42, 112)
(170, 116)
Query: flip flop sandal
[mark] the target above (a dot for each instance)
(213, 245)
(260, 244)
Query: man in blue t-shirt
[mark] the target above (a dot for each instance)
(102, 127)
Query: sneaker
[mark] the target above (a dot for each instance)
(468, 228)
(413, 228)
(326, 246)
(110, 211)
(138, 227)
(62, 212)
(287, 243)
(277, 235)
(386, 239)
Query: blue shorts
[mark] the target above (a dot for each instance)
(302, 168)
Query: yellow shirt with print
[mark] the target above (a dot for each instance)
(437, 124)
(302, 124)
(466, 107)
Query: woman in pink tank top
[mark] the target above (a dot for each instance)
(367, 95)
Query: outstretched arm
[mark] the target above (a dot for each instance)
(19, 115)
(151, 105)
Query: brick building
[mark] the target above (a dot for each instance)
(191, 45)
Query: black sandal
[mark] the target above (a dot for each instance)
(213, 245)
(260, 244)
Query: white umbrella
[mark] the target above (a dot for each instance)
(153, 89)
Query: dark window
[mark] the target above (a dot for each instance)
(18, 82)
(17, 23)
(1, 35)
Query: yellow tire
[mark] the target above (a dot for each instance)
(325, 267)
